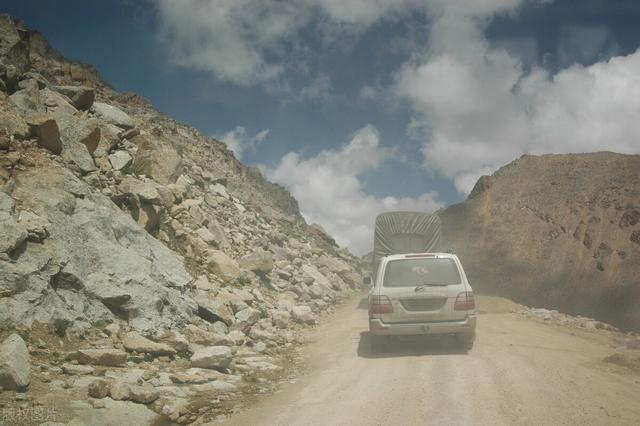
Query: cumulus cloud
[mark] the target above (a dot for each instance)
(239, 141)
(253, 42)
(232, 39)
(479, 108)
(330, 193)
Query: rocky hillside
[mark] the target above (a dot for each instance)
(556, 231)
(128, 239)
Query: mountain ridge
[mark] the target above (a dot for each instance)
(556, 230)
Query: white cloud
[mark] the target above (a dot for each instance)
(480, 110)
(232, 39)
(329, 191)
(239, 141)
(254, 42)
(583, 109)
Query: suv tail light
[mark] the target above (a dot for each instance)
(464, 302)
(380, 305)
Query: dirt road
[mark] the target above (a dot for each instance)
(519, 372)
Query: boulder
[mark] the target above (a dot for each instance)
(134, 342)
(76, 154)
(175, 340)
(207, 236)
(202, 283)
(303, 314)
(39, 78)
(28, 100)
(98, 389)
(312, 273)
(108, 139)
(336, 266)
(81, 97)
(85, 132)
(15, 367)
(106, 357)
(45, 129)
(77, 370)
(260, 262)
(352, 278)
(37, 228)
(219, 189)
(214, 309)
(145, 191)
(120, 391)
(143, 394)
(222, 265)
(113, 115)
(219, 235)
(281, 318)
(129, 134)
(120, 160)
(213, 357)
(237, 337)
(201, 337)
(29, 83)
(12, 235)
(15, 46)
(11, 121)
(248, 316)
(157, 159)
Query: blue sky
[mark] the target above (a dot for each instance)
(361, 106)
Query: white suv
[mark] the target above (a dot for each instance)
(421, 293)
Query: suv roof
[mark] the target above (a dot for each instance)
(415, 255)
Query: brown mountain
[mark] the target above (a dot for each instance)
(556, 231)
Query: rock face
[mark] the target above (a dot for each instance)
(96, 263)
(556, 231)
(15, 369)
(142, 247)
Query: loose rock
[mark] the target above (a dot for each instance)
(98, 389)
(15, 367)
(45, 129)
(134, 342)
(214, 357)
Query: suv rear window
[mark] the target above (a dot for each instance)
(421, 271)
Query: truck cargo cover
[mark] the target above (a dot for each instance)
(405, 232)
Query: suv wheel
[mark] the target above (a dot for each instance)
(465, 341)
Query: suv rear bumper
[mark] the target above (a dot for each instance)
(379, 328)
